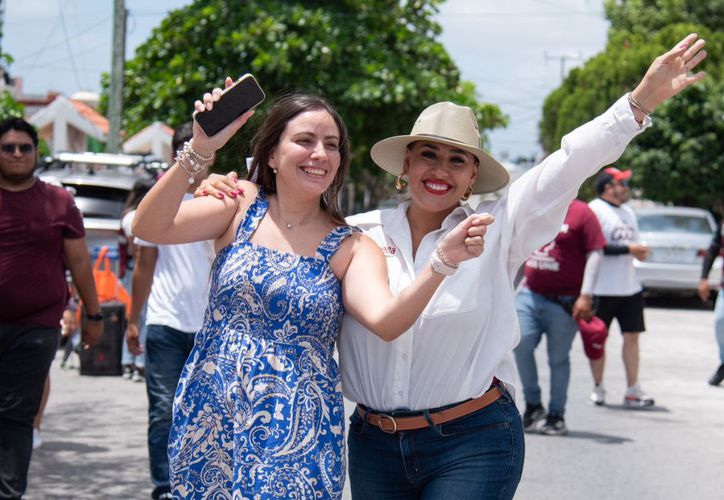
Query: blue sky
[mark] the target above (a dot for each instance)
(511, 50)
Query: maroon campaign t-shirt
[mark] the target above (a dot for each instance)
(33, 225)
(557, 268)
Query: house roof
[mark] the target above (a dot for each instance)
(75, 113)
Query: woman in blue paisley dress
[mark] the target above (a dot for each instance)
(258, 411)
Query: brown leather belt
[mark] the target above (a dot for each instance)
(390, 424)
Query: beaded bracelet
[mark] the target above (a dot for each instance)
(633, 102)
(440, 264)
(191, 161)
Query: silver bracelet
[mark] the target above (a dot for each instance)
(440, 264)
(633, 102)
(191, 161)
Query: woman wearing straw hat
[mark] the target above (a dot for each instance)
(435, 415)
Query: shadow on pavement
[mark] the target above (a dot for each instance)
(598, 437)
(677, 302)
(645, 409)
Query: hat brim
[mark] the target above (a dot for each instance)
(389, 154)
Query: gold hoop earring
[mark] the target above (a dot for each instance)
(400, 183)
(467, 194)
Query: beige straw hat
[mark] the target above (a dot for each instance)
(450, 124)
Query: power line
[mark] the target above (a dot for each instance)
(67, 45)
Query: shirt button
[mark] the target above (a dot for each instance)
(404, 356)
(400, 393)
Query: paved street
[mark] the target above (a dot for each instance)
(94, 430)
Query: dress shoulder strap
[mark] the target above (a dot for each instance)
(331, 242)
(254, 214)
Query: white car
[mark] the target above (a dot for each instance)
(678, 238)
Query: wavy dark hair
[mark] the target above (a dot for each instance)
(19, 125)
(286, 108)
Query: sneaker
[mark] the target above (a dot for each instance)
(37, 438)
(533, 414)
(717, 378)
(636, 398)
(127, 372)
(138, 375)
(161, 493)
(555, 425)
(598, 395)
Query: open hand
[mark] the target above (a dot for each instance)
(670, 73)
(219, 185)
(466, 240)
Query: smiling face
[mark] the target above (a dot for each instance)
(307, 156)
(18, 156)
(439, 175)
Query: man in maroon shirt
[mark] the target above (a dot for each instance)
(41, 234)
(559, 278)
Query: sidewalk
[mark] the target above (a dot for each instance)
(94, 429)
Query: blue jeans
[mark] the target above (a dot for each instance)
(478, 456)
(719, 323)
(538, 315)
(166, 353)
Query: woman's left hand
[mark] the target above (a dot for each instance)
(670, 73)
(203, 144)
(466, 240)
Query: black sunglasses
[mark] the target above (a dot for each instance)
(11, 147)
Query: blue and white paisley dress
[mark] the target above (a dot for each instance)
(258, 411)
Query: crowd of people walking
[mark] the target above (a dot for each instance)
(248, 294)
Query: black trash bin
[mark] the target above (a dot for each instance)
(105, 357)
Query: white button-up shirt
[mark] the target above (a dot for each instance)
(466, 334)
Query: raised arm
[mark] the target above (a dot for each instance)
(538, 200)
(162, 218)
(365, 289)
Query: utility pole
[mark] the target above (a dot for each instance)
(563, 58)
(115, 100)
(2, 19)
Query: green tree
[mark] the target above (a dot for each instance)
(642, 17)
(9, 107)
(680, 160)
(378, 61)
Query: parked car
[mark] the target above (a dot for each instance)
(678, 238)
(100, 183)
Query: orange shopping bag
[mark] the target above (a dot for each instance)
(108, 286)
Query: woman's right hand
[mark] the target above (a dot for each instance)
(219, 185)
(205, 145)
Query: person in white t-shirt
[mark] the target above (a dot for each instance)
(174, 280)
(435, 415)
(618, 289)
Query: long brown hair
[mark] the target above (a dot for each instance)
(285, 109)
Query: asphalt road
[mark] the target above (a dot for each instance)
(95, 428)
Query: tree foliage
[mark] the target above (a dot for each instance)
(642, 17)
(9, 107)
(680, 159)
(378, 61)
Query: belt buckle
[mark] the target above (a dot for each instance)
(382, 416)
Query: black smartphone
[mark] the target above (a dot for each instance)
(236, 100)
